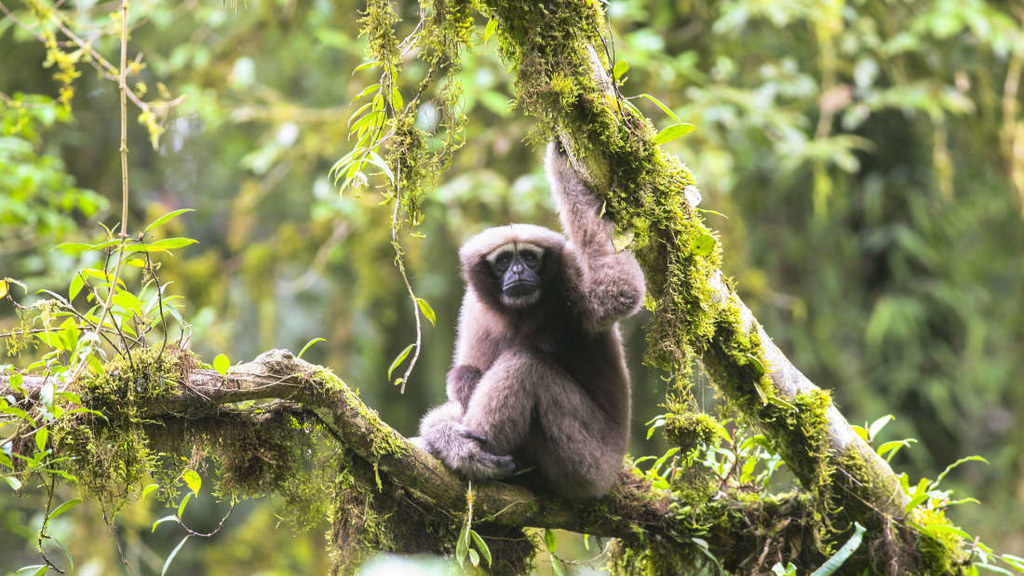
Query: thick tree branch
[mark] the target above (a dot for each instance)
(631, 506)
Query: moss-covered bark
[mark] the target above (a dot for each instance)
(311, 439)
(554, 50)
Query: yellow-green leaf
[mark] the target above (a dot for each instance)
(399, 359)
(192, 480)
(674, 131)
(621, 67)
(428, 312)
(221, 364)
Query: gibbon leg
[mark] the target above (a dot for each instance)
(582, 453)
(575, 437)
(443, 435)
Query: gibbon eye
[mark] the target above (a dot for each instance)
(502, 262)
(530, 259)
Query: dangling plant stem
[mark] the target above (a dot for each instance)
(123, 89)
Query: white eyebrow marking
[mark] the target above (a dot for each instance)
(514, 248)
(498, 252)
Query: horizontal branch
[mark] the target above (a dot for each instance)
(632, 508)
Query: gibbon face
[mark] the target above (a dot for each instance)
(513, 268)
(517, 264)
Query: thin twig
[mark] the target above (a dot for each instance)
(123, 89)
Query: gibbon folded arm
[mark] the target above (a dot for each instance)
(539, 382)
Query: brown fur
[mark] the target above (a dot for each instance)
(544, 386)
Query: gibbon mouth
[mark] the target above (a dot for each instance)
(519, 289)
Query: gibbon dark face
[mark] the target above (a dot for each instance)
(518, 265)
(514, 268)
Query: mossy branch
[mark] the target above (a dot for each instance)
(732, 525)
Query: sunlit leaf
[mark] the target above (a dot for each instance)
(184, 502)
(399, 359)
(221, 364)
(64, 508)
(170, 557)
(492, 25)
(192, 480)
(668, 111)
(310, 344)
(77, 283)
(147, 490)
(366, 65)
(166, 218)
(703, 245)
(878, 424)
(41, 436)
(674, 131)
(550, 540)
(844, 553)
(165, 519)
(620, 68)
(428, 312)
(4, 288)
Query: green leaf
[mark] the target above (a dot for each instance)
(833, 563)
(372, 88)
(954, 465)
(165, 245)
(703, 245)
(73, 248)
(674, 131)
(41, 436)
(366, 65)
(167, 563)
(397, 102)
(550, 540)
(147, 490)
(399, 359)
(462, 544)
(992, 568)
(557, 566)
(13, 482)
(221, 364)
(379, 162)
(893, 446)
(621, 67)
(165, 218)
(428, 312)
(877, 425)
(128, 301)
(192, 480)
(668, 111)
(170, 518)
(64, 508)
(184, 502)
(481, 546)
(492, 25)
(310, 343)
(474, 557)
(77, 282)
(40, 569)
(5, 288)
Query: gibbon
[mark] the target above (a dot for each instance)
(539, 382)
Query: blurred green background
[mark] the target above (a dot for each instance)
(866, 158)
